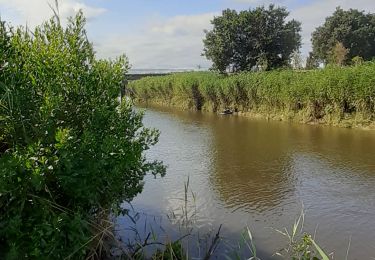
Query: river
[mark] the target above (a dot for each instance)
(260, 174)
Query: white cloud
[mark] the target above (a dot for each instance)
(162, 43)
(183, 24)
(34, 12)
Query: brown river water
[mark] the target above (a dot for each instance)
(260, 174)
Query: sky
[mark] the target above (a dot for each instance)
(164, 34)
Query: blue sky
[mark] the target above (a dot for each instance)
(163, 33)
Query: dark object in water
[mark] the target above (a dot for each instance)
(226, 112)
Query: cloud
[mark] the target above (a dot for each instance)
(183, 24)
(34, 12)
(175, 42)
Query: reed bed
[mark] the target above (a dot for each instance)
(334, 95)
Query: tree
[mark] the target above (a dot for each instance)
(354, 29)
(242, 40)
(219, 42)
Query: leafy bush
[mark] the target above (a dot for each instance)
(70, 153)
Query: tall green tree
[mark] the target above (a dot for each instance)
(353, 28)
(262, 37)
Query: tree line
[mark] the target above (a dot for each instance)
(265, 39)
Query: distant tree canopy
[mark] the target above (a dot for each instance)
(354, 29)
(260, 37)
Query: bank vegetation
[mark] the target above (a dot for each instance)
(343, 96)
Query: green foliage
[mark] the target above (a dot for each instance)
(357, 60)
(69, 151)
(326, 94)
(260, 37)
(354, 29)
(301, 246)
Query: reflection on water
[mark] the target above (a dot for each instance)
(259, 173)
(251, 164)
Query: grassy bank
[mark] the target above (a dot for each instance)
(333, 96)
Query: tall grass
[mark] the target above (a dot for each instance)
(332, 95)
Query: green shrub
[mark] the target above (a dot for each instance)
(70, 153)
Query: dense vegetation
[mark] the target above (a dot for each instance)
(263, 39)
(354, 29)
(70, 153)
(333, 95)
(255, 38)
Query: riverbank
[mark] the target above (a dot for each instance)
(343, 97)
